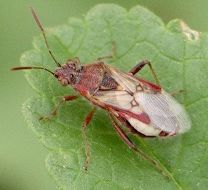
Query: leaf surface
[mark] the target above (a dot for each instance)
(179, 56)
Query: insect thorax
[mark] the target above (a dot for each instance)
(94, 77)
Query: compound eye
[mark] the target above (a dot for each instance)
(64, 82)
(71, 76)
(74, 66)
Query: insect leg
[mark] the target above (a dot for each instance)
(140, 65)
(87, 145)
(113, 53)
(126, 139)
(121, 133)
(55, 110)
(88, 118)
(176, 92)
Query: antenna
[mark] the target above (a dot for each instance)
(31, 67)
(44, 35)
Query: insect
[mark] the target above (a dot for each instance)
(142, 106)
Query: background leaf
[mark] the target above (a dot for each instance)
(179, 56)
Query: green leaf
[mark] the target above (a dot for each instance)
(179, 56)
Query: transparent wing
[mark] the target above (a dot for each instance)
(164, 111)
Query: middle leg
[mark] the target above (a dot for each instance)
(140, 65)
(113, 53)
(86, 122)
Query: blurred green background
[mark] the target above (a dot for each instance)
(21, 154)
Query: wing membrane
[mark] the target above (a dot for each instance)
(164, 111)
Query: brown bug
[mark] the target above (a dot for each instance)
(142, 106)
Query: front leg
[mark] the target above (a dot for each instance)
(140, 65)
(55, 110)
